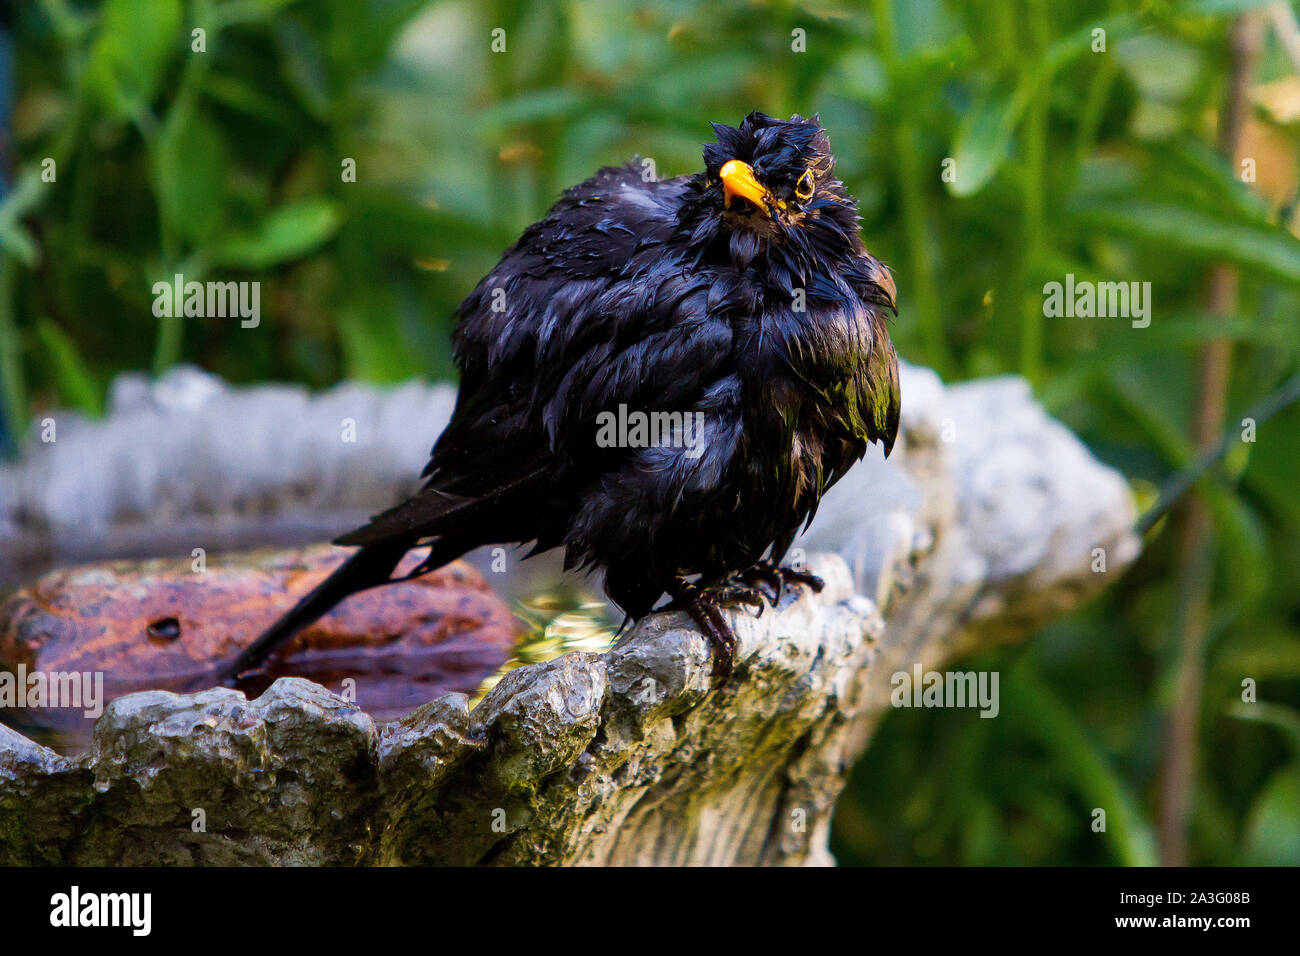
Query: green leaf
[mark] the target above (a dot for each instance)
(13, 383)
(1266, 249)
(77, 386)
(1129, 833)
(1210, 8)
(240, 94)
(1192, 163)
(1271, 473)
(1273, 827)
(1280, 716)
(1245, 559)
(984, 140)
(14, 236)
(190, 173)
(1081, 41)
(1166, 69)
(531, 107)
(374, 349)
(236, 12)
(133, 47)
(305, 65)
(18, 242)
(362, 34)
(287, 233)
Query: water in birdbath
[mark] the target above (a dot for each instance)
(80, 637)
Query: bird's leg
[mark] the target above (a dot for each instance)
(702, 606)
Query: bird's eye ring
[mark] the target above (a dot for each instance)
(803, 189)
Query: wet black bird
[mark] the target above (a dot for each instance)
(742, 295)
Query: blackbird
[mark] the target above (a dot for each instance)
(736, 308)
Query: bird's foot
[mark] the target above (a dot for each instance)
(735, 592)
(766, 584)
(778, 578)
(793, 576)
(703, 608)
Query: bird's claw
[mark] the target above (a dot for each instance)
(757, 576)
(702, 606)
(791, 576)
(778, 578)
(735, 593)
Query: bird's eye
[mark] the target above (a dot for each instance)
(803, 189)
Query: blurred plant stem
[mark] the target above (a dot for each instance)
(12, 387)
(1172, 491)
(920, 282)
(170, 336)
(1196, 531)
(1094, 106)
(1034, 182)
(13, 391)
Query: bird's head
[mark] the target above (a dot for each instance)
(772, 181)
(771, 169)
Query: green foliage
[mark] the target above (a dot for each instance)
(230, 164)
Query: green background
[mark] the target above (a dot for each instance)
(227, 164)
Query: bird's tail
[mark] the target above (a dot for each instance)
(369, 567)
(454, 522)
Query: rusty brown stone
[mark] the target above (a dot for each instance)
(160, 624)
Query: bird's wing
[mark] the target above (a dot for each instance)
(590, 309)
(594, 307)
(847, 358)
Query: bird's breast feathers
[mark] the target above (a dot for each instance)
(639, 293)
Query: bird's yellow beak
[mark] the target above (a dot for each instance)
(738, 179)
